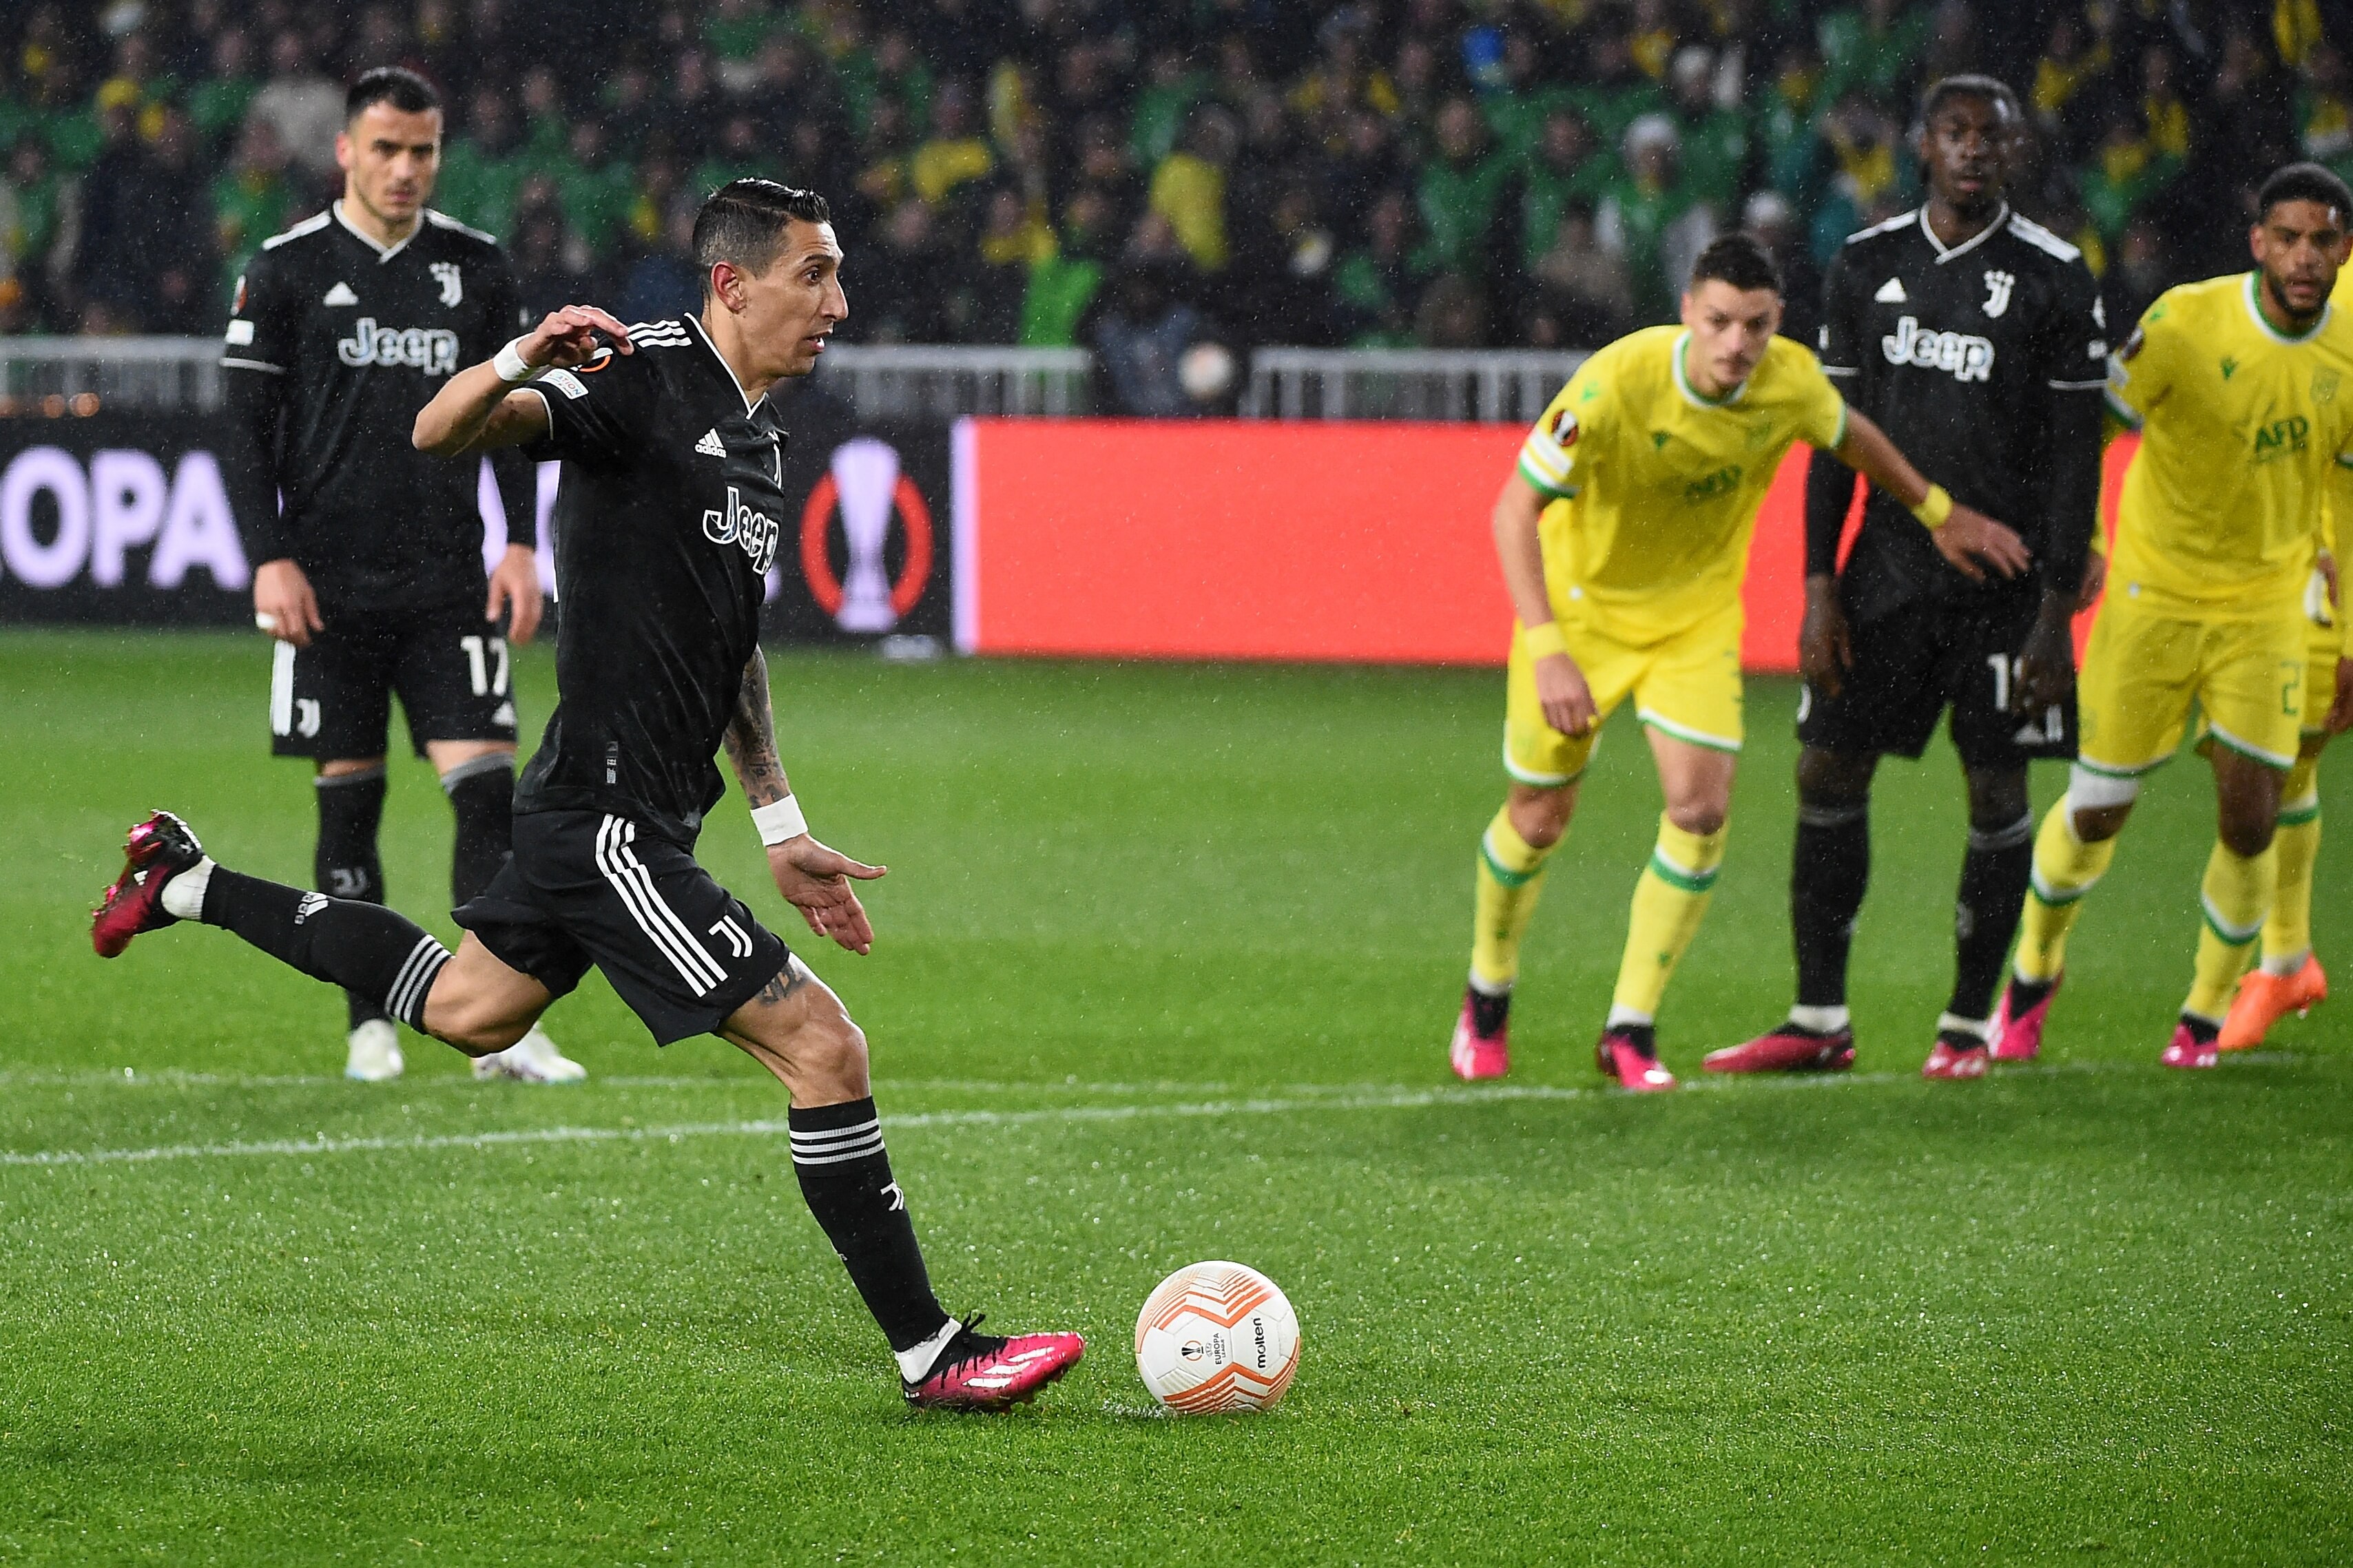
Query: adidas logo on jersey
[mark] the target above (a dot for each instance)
(711, 445)
(1892, 292)
(341, 294)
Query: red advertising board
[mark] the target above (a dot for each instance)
(1329, 542)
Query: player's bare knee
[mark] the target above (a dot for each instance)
(2247, 821)
(472, 1024)
(1540, 813)
(1834, 778)
(2098, 823)
(1997, 798)
(1702, 818)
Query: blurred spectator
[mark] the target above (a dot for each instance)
(1188, 189)
(1461, 191)
(31, 222)
(1713, 133)
(304, 108)
(954, 153)
(147, 252)
(550, 262)
(481, 168)
(1013, 240)
(664, 283)
(1651, 220)
(217, 105)
(1774, 222)
(252, 198)
(906, 283)
(1871, 49)
(1380, 281)
(1146, 325)
(2138, 277)
(1583, 297)
(1063, 281)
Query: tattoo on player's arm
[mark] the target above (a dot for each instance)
(752, 738)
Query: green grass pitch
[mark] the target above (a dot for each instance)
(1168, 958)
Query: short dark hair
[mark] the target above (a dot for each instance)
(2304, 182)
(743, 222)
(1993, 90)
(1739, 259)
(396, 85)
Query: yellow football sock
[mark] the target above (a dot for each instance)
(2287, 934)
(2237, 895)
(2066, 868)
(1510, 877)
(1669, 899)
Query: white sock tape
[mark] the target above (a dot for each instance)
(2089, 791)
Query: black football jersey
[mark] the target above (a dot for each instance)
(667, 520)
(364, 336)
(1958, 353)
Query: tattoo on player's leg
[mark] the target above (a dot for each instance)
(788, 979)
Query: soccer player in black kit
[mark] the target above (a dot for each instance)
(1973, 337)
(668, 522)
(371, 579)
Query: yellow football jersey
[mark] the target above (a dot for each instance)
(2242, 430)
(1656, 489)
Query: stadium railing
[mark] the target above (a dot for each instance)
(80, 376)
(1493, 386)
(58, 375)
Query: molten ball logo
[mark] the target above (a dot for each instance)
(864, 483)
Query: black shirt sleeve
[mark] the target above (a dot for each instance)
(1840, 350)
(257, 350)
(597, 412)
(517, 476)
(2074, 359)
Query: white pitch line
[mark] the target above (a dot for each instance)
(1387, 1099)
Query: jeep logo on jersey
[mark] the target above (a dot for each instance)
(1958, 354)
(432, 350)
(753, 532)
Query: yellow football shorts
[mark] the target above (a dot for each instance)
(2146, 666)
(1686, 685)
(2320, 678)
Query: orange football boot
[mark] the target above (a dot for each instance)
(2264, 999)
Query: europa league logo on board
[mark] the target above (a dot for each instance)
(864, 483)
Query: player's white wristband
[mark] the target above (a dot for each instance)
(508, 363)
(779, 821)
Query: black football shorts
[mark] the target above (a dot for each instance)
(1911, 663)
(589, 887)
(333, 699)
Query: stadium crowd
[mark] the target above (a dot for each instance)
(1134, 175)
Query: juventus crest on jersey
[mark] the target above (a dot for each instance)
(364, 336)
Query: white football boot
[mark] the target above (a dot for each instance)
(531, 1059)
(375, 1052)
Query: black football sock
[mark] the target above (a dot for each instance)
(481, 795)
(2205, 1031)
(1828, 873)
(1994, 874)
(846, 1179)
(346, 865)
(368, 949)
(1488, 1013)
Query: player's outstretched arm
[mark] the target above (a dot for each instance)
(1561, 691)
(1964, 536)
(479, 410)
(814, 879)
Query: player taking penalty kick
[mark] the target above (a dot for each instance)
(669, 516)
(1623, 534)
(2243, 390)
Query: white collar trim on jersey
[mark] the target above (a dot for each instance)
(1692, 395)
(382, 253)
(2255, 314)
(1945, 253)
(704, 338)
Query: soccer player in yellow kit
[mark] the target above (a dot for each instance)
(2288, 978)
(1623, 535)
(2243, 390)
